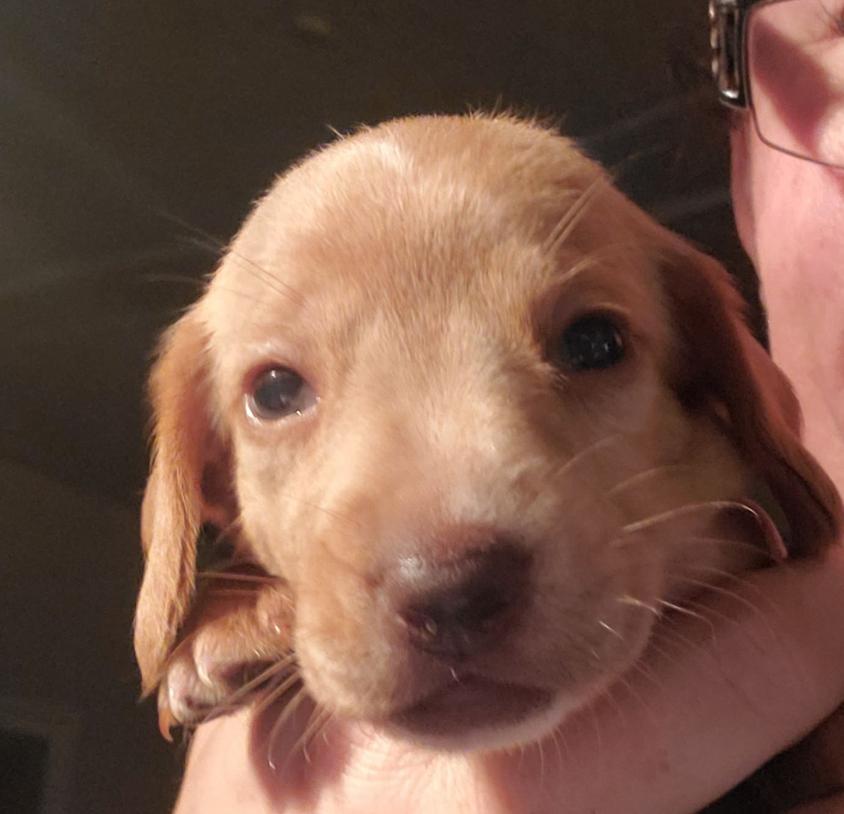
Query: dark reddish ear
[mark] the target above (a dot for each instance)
(186, 455)
(721, 367)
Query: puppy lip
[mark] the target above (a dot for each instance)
(471, 702)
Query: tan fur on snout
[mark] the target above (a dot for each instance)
(419, 276)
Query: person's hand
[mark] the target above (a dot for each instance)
(713, 700)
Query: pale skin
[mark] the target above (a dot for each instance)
(710, 705)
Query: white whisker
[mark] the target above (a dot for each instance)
(578, 457)
(610, 629)
(234, 699)
(733, 542)
(575, 213)
(291, 707)
(635, 480)
(736, 597)
(276, 692)
(555, 736)
(319, 717)
(687, 508)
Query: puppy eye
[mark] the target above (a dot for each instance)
(593, 342)
(279, 392)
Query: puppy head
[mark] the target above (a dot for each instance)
(479, 411)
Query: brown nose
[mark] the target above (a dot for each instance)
(456, 609)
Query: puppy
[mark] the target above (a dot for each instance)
(468, 421)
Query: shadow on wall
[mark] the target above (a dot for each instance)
(67, 607)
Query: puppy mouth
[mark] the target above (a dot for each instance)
(470, 703)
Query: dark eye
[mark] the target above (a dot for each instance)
(593, 342)
(279, 392)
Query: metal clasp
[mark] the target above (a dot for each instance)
(726, 38)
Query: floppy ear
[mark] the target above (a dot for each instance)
(180, 496)
(724, 369)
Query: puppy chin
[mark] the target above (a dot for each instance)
(479, 716)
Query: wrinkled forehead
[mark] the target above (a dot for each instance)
(423, 215)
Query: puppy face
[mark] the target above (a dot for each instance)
(480, 414)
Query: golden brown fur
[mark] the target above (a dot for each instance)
(419, 275)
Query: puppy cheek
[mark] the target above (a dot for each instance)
(355, 679)
(336, 633)
(276, 524)
(594, 590)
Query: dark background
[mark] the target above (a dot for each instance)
(133, 136)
